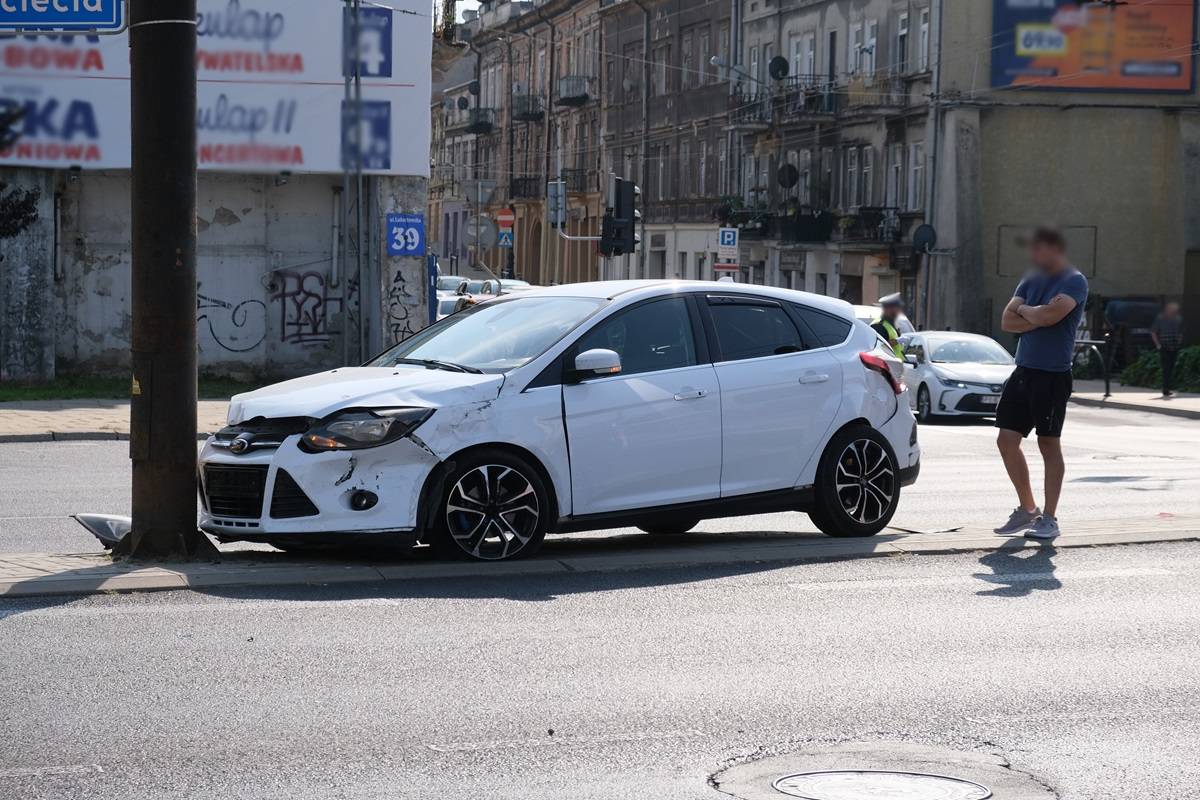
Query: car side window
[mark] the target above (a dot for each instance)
(829, 330)
(649, 337)
(753, 330)
(916, 348)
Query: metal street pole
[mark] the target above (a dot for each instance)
(162, 442)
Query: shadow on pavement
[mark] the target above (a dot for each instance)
(1018, 571)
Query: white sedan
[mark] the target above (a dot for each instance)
(579, 407)
(955, 374)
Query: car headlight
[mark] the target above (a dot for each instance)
(358, 428)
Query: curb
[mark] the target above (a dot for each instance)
(1184, 413)
(107, 577)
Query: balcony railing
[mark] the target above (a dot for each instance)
(481, 121)
(869, 224)
(750, 109)
(573, 90)
(878, 90)
(578, 180)
(811, 95)
(806, 225)
(528, 108)
(526, 187)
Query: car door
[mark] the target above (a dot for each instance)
(779, 392)
(651, 435)
(914, 374)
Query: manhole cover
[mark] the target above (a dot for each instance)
(878, 785)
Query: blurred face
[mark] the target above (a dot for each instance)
(1045, 257)
(891, 311)
(1171, 310)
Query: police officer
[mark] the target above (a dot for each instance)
(889, 324)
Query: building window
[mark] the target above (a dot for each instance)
(900, 61)
(661, 62)
(686, 175)
(806, 177)
(895, 176)
(754, 63)
(722, 167)
(664, 171)
(854, 58)
(869, 51)
(723, 45)
(687, 66)
(868, 176)
(706, 67)
(851, 189)
(825, 190)
(703, 171)
(923, 42)
(612, 86)
(810, 57)
(916, 176)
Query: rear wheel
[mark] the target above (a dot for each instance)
(494, 507)
(858, 484)
(664, 526)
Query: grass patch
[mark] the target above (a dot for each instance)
(110, 388)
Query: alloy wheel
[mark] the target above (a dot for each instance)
(924, 404)
(866, 481)
(492, 512)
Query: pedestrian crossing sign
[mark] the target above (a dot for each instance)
(505, 238)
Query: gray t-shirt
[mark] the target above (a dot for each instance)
(1051, 348)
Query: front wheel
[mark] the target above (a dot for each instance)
(924, 404)
(858, 484)
(494, 507)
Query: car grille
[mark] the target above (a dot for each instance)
(235, 491)
(289, 501)
(974, 403)
(261, 433)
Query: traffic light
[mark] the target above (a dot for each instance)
(618, 233)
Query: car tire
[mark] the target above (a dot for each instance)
(668, 526)
(857, 485)
(924, 404)
(494, 506)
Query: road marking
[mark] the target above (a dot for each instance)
(62, 769)
(561, 741)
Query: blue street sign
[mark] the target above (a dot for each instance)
(505, 238)
(729, 237)
(99, 15)
(406, 234)
(374, 42)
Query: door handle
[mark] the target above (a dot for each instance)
(690, 394)
(813, 377)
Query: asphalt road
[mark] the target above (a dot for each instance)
(1121, 465)
(1079, 666)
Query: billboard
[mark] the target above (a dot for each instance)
(1133, 46)
(270, 92)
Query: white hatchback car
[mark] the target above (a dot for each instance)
(955, 374)
(585, 406)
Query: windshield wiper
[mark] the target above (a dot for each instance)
(433, 363)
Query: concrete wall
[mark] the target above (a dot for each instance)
(274, 295)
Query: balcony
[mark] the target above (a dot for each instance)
(878, 92)
(869, 225)
(526, 187)
(573, 90)
(750, 110)
(481, 121)
(528, 108)
(809, 96)
(754, 223)
(806, 225)
(578, 180)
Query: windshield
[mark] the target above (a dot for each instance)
(449, 283)
(477, 287)
(968, 351)
(496, 336)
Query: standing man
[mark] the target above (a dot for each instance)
(888, 325)
(1167, 333)
(1046, 310)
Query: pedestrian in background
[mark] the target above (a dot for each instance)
(1046, 310)
(1167, 333)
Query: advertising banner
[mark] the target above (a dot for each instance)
(1134, 46)
(270, 91)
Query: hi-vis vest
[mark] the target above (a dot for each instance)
(892, 335)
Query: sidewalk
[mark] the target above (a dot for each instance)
(33, 574)
(1132, 398)
(75, 420)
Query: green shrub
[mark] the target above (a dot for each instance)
(1147, 371)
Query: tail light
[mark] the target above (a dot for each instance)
(881, 365)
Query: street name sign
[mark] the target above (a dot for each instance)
(405, 233)
(100, 16)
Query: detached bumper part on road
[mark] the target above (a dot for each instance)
(266, 494)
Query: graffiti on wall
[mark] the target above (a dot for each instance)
(305, 306)
(402, 308)
(236, 327)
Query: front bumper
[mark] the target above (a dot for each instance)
(975, 401)
(288, 492)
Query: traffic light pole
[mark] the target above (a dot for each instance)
(162, 442)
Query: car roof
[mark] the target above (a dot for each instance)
(636, 290)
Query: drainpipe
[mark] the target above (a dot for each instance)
(645, 179)
(934, 125)
(548, 242)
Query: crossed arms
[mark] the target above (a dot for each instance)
(1020, 318)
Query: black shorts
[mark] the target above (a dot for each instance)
(1034, 399)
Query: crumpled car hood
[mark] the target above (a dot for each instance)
(357, 387)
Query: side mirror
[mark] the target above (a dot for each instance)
(597, 362)
(911, 358)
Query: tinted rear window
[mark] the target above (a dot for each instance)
(753, 331)
(828, 329)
